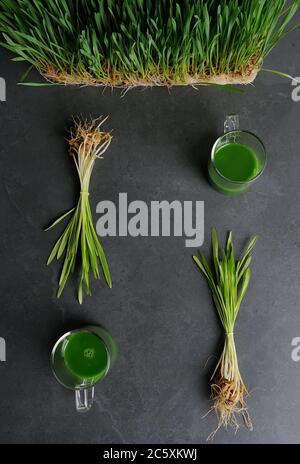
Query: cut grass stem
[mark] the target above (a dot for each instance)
(79, 239)
(228, 280)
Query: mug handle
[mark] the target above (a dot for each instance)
(84, 398)
(232, 123)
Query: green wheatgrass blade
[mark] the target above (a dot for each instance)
(246, 253)
(243, 269)
(215, 251)
(99, 250)
(80, 292)
(65, 238)
(60, 219)
(228, 285)
(37, 84)
(54, 251)
(79, 242)
(146, 42)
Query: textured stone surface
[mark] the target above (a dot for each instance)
(160, 309)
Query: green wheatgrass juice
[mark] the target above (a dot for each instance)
(236, 162)
(85, 355)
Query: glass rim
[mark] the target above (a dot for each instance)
(239, 182)
(53, 351)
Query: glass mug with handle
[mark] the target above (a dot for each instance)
(237, 159)
(80, 359)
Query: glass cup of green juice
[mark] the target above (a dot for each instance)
(237, 159)
(80, 359)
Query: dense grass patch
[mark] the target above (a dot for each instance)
(145, 42)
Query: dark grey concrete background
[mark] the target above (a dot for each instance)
(159, 310)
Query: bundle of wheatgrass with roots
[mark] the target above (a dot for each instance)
(228, 281)
(145, 42)
(79, 242)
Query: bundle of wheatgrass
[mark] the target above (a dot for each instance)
(145, 42)
(228, 281)
(79, 242)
